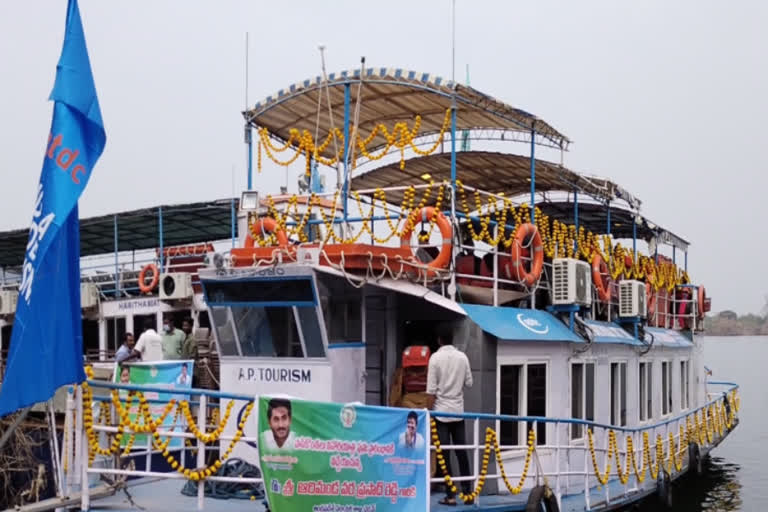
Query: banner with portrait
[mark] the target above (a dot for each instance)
(174, 375)
(329, 457)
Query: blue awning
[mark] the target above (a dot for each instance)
(609, 332)
(668, 337)
(514, 324)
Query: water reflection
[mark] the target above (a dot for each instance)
(717, 490)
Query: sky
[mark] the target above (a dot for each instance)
(667, 99)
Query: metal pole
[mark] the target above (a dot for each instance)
(576, 220)
(533, 174)
(201, 413)
(686, 260)
(232, 220)
(345, 191)
(249, 151)
(117, 264)
(160, 228)
(634, 240)
(609, 217)
(452, 288)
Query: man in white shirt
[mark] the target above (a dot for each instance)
(279, 436)
(150, 344)
(448, 373)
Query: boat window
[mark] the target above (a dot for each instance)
(268, 291)
(115, 333)
(523, 392)
(619, 394)
(343, 319)
(310, 330)
(684, 388)
(537, 399)
(666, 388)
(577, 399)
(225, 333)
(645, 387)
(267, 332)
(509, 402)
(582, 396)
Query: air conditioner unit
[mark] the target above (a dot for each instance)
(8, 300)
(176, 286)
(632, 299)
(571, 282)
(89, 295)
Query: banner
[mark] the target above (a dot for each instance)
(328, 457)
(47, 339)
(175, 375)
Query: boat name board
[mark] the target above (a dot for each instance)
(253, 374)
(137, 304)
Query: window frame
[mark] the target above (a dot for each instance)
(522, 434)
(667, 402)
(615, 409)
(577, 431)
(685, 384)
(645, 397)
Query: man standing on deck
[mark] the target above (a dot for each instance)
(173, 339)
(448, 373)
(150, 344)
(126, 353)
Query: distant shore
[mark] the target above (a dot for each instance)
(728, 323)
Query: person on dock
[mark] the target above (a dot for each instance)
(173, 339)
(448, 373)
(126, 353)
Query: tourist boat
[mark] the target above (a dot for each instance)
(590, 392)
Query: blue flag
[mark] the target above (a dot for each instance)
(47, 337)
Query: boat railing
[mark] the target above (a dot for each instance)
(571, 456)
(580, 458)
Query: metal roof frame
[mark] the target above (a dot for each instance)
(188, 223)
(494, 172)
(393, 95)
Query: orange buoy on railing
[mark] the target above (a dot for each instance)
(702, 296)
(650, 299)
(527, 235)
(601, 277)
(263, 227)
(429, 214)
(143, 286)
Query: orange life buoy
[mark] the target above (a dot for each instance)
(702, 296)
(266, 226)
(426, 214)
(650, 301)
(683, 297)
(601, 277)
(143, 286)
(527, 234)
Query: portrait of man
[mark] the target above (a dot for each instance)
(411, 439)
(184, 379)
(279, 435)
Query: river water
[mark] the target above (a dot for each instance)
(736, 477)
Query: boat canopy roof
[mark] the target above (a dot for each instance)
(594, 217)
(390, 95)
(497, 173)
(188, 223)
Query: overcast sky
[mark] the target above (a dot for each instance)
(668, 99)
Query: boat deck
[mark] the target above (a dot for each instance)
(165, 495)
